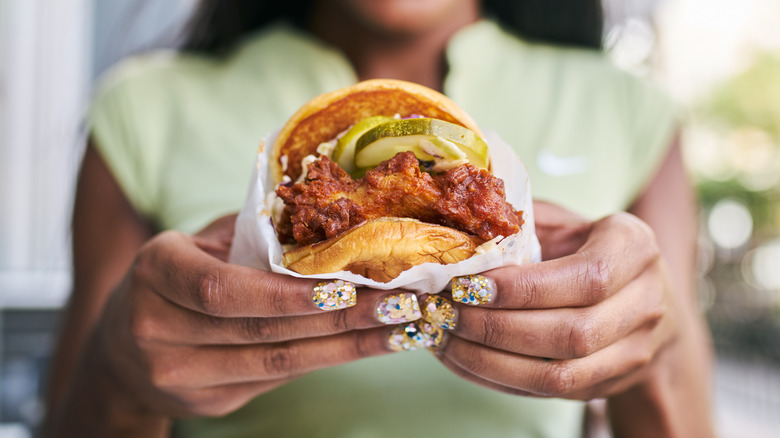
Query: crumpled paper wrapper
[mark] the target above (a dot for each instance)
(255, 243)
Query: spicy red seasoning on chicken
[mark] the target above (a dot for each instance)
(329, 202)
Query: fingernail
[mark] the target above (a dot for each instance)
(334, 295)
(416, 335)
(398, 308)
(438, 311)
(473, 289)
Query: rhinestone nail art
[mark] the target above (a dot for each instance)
(333, 295)
(473, 289)
(398, 308)
(416, 335)
(438, 311)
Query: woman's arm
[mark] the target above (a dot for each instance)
(676, 394)
(107, 234)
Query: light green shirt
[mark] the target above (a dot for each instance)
(180, 133)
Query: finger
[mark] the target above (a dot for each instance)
(607, 388)
(552, 378)
(564, 333)
(218, 401)
(175, 267)
(617, 250)
(221, 229)
(560, 231)
(222, 365)
(473, 378)
(168, 323)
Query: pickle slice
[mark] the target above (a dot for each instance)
(431, 140)
(344, 152)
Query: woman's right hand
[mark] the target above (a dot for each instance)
(186, 333)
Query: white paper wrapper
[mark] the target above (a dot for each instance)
(255, 243)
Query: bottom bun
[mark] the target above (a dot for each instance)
(380, 249)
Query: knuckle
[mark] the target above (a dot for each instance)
(259, 329)
(656, 307)
(638, 359)
(209, 407)
(158, 248)
(363, 347)
(276, 297)
(200, 409)
(657, 312)
(641, 232)
(165, 376)
(624, 220)
(475, 361)
(143, 268)
(340, 321)
(216, 409)
(209, 291)
(154, 258)
(143, 328)
(583, 338)
(598, 279)
(281, 360)
(168, 237)
(556, 379)
(653, 249)
(644, 358)
(493, 327)
(526, 289)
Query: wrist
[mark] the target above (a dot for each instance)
(672, 399)
(97, 404)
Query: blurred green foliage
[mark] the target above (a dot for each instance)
(762, 204)
(751, 98)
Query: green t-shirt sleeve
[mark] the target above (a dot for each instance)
(654, 120)
(122, 110)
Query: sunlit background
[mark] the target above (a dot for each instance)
(720, 59)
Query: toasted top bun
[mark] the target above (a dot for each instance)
(380, 249)
(324, 117)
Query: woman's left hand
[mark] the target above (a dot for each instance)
(586, 323)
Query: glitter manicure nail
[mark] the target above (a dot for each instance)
(473, 289)
(334, 295)
(398, 308)
(416, 335)
(438, 311)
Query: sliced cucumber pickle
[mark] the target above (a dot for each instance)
(431, 140)
(344, 152)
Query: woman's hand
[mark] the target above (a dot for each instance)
(586, 323)
(186, 333)
(603, 316)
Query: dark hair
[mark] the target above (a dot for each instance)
(218, 24)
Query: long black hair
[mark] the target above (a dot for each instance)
(217, 24)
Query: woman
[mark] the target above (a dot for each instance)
(160, 328)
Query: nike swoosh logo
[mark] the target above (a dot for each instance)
(554, 165)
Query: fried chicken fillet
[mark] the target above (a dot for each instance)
(329, 202)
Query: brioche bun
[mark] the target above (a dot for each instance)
(380, 249)
(324, 117)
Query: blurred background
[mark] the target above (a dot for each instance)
(720, 59)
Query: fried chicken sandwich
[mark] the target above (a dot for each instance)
(382, 176)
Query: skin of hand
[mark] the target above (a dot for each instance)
(187, 334)
(599, 318)
(581, 325)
